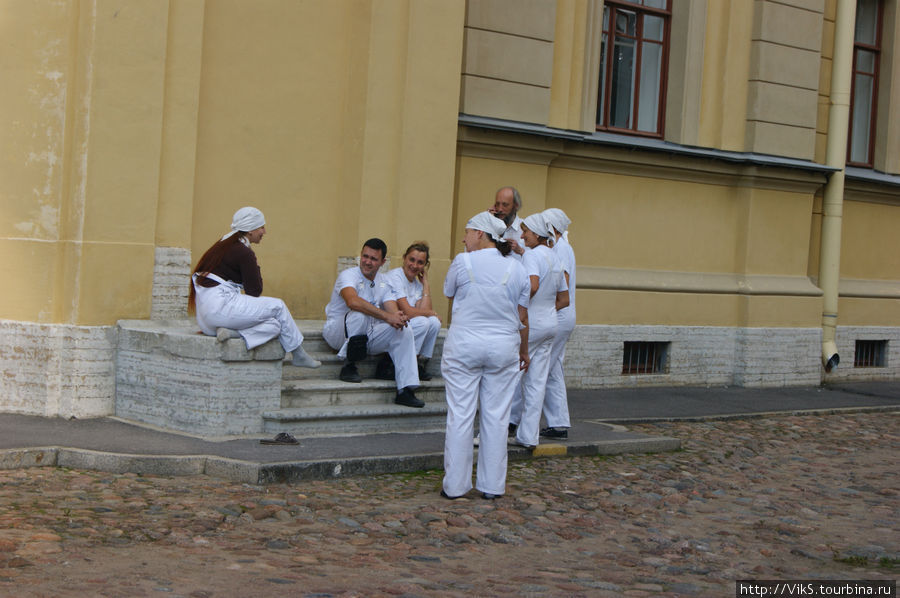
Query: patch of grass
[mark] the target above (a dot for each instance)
(888, 563)
(855, 560)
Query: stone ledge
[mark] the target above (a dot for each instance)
(182, 338)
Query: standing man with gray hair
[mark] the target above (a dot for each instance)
(507, 203)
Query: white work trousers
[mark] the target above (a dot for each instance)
(477, 377)
(257, 319)
(425, 330)
(399, 343)
(534, 382)
(556, 400)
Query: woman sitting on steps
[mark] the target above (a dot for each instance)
(224, 311)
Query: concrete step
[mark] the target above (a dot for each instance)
(317, 392)
(332, 364)
(314, 402)
(341, 420)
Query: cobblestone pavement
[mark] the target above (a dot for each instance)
(785, 497)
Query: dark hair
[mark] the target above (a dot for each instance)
(378, 245)
(419, 246)
(503, 245)
(210, 261)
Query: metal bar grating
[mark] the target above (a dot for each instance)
(640, 357)
(870, 354)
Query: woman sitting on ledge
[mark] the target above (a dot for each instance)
(223, 311)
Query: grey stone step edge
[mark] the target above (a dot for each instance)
(250, 472)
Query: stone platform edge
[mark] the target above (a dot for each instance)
(250, 472)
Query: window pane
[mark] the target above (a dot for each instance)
(866, 21)
(656, 3)
(865, 61)
(602, 97)
(625, 22)
(861, 119)
(648, 103)
(622, 100)
(653, 28)
(605, 18)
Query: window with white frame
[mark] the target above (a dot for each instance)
(633, 64)
(864, 89)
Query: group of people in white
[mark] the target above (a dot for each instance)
(512, 313)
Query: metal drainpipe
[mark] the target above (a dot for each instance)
(835, 156)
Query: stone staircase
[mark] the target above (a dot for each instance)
(316, 403)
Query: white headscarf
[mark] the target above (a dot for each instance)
(245, 220)
(488, 223)
(538, 224)
(558, 220)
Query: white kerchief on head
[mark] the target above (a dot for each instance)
(488, 223)
(537, 224)
(245, 220)
(558, 220)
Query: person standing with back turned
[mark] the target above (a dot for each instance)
(486, 346)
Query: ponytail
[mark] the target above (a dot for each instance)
(503, 246)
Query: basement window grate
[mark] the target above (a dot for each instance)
(639, 357)
(870, 354)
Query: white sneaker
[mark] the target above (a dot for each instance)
(477, 441)
(301, 358)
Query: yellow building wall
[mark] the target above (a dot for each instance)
(352, 138)
(657, 250)
(146, 123)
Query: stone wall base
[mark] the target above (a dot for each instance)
(846, 344)
(697, 355)
(57, 369)
(169, 375)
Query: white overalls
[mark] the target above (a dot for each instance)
(257, 319)
(542, 325)
(480, 364)
(556, 401)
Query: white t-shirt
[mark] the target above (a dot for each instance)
(373, 291)
(400, 287)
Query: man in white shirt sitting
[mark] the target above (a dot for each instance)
(359, 322)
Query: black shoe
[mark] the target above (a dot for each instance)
(555, 433)
(384, 370)
(448, 497)
(488, 496)
(349, 373)
(512, 429)
(357, 348)
(423, 375)
(407, 398)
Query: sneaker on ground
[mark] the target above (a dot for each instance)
(555, 433)
(513, 441)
